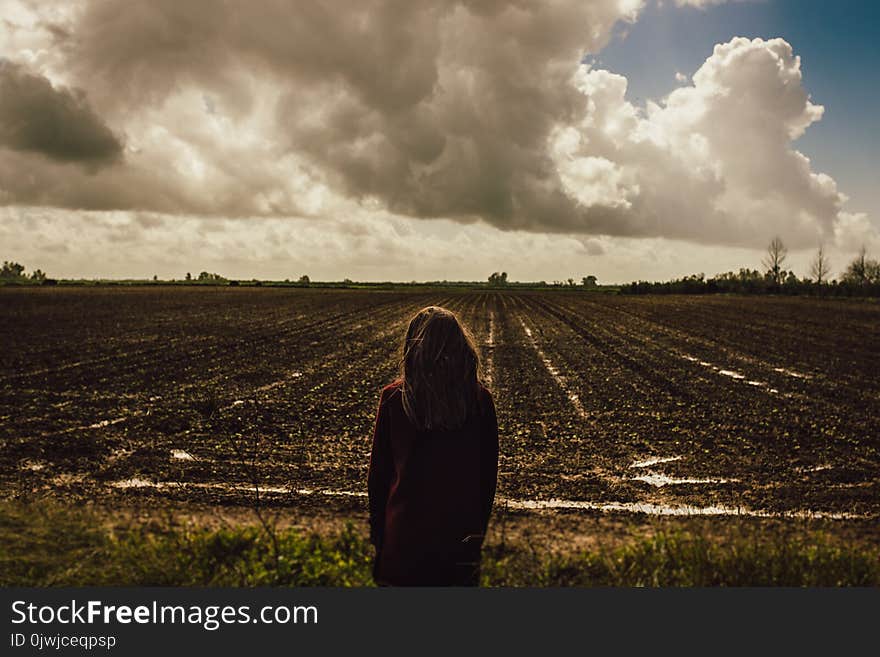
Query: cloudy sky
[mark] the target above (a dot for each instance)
(416, 140)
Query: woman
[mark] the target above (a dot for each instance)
(434, 463)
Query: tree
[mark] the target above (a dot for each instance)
(207, 277)
(857, 272)
(189, 276)
(589, 281)
(11, 271)
(820, 268)
(497, 279)
(304, 280)
(776, 253)
(862, 270)
(14, 272)
(570, 282)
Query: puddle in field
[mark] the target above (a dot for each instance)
(182, 455)
(332, 493)
(659, 480)
(532, 505)
(737, 376)
(732, 374)
(811, 469)
(137, 482)
(105, 423)
(557, 376)
(490, 342)
(741, 377)
(787, 372)
(655, 460)
(672, 510)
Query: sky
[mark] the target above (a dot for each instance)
(415, 140)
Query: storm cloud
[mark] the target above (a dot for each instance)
(431, 109)
(56, 122)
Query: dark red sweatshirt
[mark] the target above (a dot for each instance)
(431, 494)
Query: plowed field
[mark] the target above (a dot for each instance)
(665, 405)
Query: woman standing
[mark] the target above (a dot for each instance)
(434, 462)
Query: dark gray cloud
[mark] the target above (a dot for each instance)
(434, 109)
(55, 122)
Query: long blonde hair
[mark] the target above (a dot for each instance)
(439, 370)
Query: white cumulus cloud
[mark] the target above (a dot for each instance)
(714, 161)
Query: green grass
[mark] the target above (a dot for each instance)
(49, 545)
(683, 559)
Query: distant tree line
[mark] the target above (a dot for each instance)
(497, 279)
(860, 278)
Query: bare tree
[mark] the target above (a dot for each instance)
(776, 253)
(820, 268)
(857, 272)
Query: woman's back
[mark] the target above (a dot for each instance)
(431, 493)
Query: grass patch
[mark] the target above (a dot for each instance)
(50, 545)
(685, 559)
